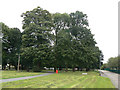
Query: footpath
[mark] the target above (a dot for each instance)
(114, 77)
(22, 78)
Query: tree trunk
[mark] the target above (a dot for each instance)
(18, 62)
(54, 69)
(66, 69)
(87, 69)
(9, 66)
(21, 67)
(4, 67)
(73, 69)
(27, 69)
(80, 69)
(15, 67)
(60, 68)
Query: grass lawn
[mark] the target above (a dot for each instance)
(15, 74)
(63, 80)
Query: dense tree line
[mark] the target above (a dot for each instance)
(11, 43)
(112, 64)
(51, 40)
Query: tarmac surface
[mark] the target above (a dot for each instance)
(114, 77)
(22, 78)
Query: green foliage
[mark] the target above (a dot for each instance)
(36, 38)
(73, 43)
(78, 19)
(113, 62)
(11, 43)
(104, 66)
(51, 40)
(15, 74)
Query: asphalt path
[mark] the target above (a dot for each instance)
(114, 77)
(22, 78)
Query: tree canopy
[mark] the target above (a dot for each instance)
(113, 63)
(51, 40)
(11, 43)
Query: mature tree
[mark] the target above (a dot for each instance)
(37, 36)
(84, 44)
(78, 29)
(113, 62)
(84, 53)
(15, 39)
(5, 46)
(64, 48)
(78, 19)
(11, 45)
(61, 22)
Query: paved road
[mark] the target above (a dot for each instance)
(114, 77)
(21, 78)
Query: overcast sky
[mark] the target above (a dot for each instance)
(102, 17)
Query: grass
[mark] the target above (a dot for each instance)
(63, 80)
(16, 74)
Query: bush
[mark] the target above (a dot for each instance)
(103, 66)
(37, 69)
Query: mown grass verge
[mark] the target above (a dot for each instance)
(16, 74)
(63, 80)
